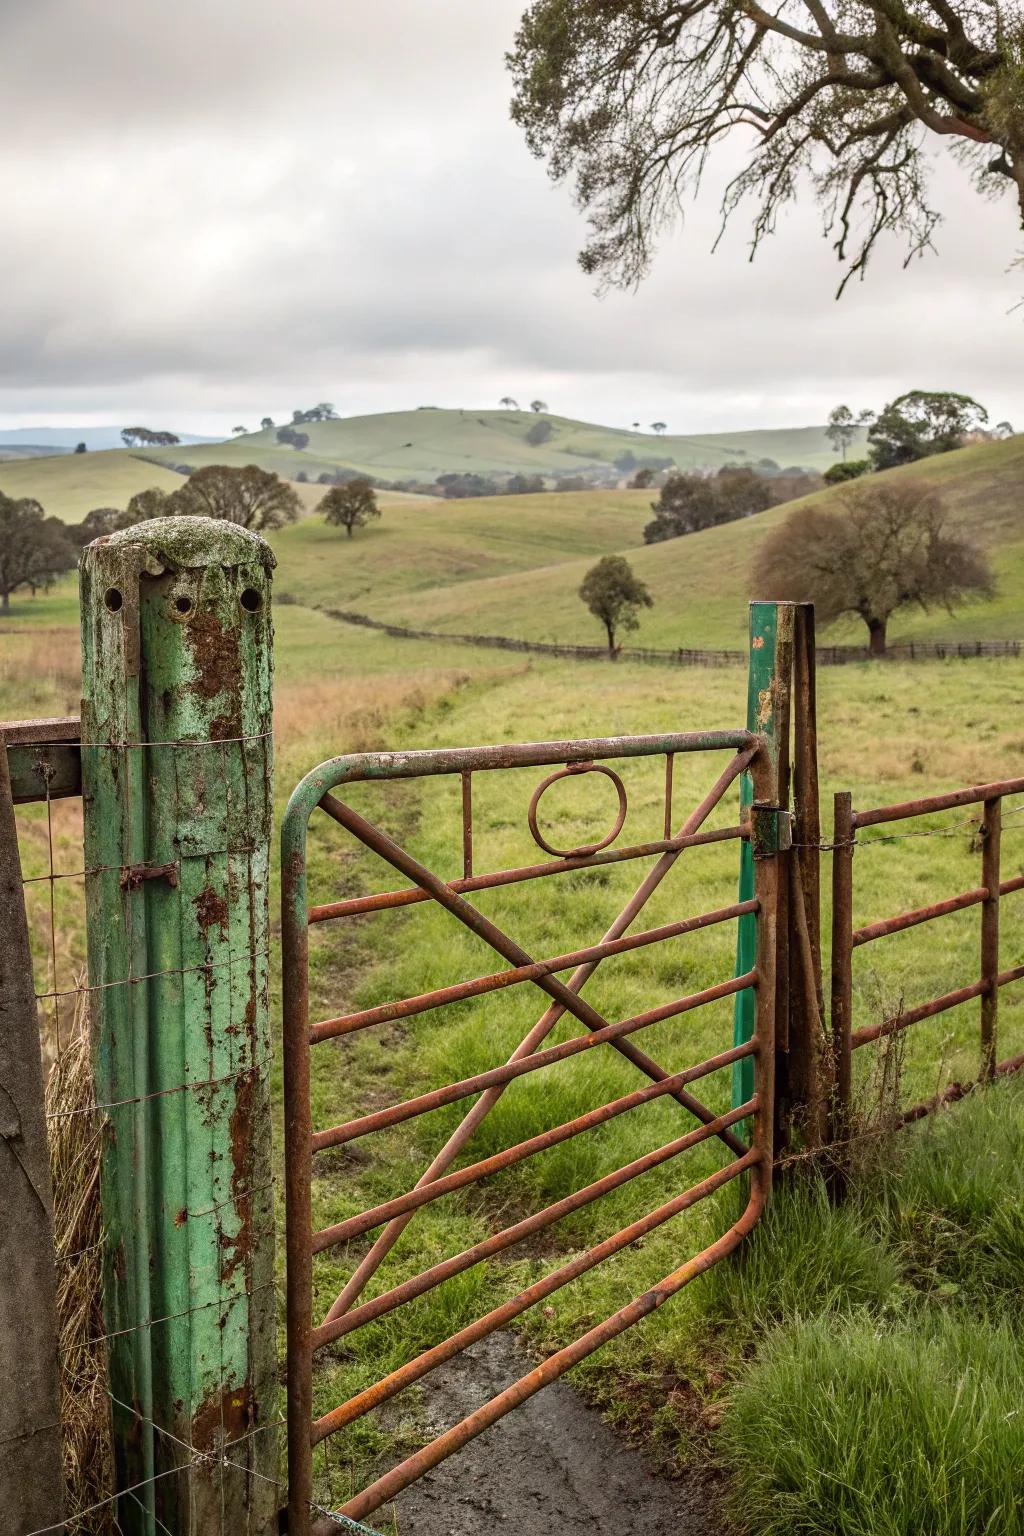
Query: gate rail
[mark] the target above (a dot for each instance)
(767, 831)
(846, 938)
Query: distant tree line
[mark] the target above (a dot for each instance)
(689, 503)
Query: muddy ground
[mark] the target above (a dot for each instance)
(549, 1468)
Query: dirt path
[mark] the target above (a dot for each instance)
(549, 1468)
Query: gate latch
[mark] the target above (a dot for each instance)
(133, 875)
(771, 830)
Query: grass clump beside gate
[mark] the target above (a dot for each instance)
(883, 1397)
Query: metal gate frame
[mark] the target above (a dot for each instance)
(846, 938)
(754, 754)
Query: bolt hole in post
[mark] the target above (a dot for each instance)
(250, 600)
(183, 605)
(113, 600)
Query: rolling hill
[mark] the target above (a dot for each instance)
(700, 583)
(419, 445)
(68, 485)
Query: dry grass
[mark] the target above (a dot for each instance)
(40, 670)
(75, 1169)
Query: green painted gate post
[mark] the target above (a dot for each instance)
(177, 790)
(769, 682)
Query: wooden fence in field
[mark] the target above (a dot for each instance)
(686, 656)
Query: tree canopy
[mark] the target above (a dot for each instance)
(614, 595)
(349, 506)
(34, 549)
(920, 423)
(885, 548)
(252, 497)
(630, 97)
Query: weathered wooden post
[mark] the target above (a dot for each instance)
(769, 679)
(177, 788)
(31, 1486)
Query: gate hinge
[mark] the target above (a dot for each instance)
(771, 830)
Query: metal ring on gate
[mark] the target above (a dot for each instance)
(586, 848)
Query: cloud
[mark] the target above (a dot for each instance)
(212, 212)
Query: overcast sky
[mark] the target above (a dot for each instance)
(216, 211)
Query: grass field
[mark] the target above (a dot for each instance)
(341, 689)
(700, 583)
(907, 1271)
(69, 485)
(418, 445)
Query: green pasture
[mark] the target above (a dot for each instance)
(889, 1266)
(68, 485)
(700, 583)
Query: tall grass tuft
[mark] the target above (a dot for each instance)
(75, 1169)
(865, 1431)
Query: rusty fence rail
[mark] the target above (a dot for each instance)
(685, 656)
(847, 938)
(306, 1336)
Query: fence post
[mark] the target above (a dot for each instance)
(991, 835)
(806, 1076)
(843, 830)
(31, 1485)
(177, 790)
(769, 679)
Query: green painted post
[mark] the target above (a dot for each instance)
(768, 694)
(177, 789)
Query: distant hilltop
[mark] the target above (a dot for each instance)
(411, 447)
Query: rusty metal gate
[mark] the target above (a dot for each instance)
(765, 826)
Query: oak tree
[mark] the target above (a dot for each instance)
(34, 549)
(349, 506)
(883, 548)
(631, 97)
(252, 497)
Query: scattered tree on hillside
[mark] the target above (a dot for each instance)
(540, 432)
(642, 480)
(508, 404)
(846, 469)
(240, 431)
(142, 437)
(296, 440)
(81, 448)
(34, 549)
(632, 99)
(350, 506)
(524, 485)
(538, 405)
(659, 427)
(842, 427)
(883, 549)
(920, 423)
(615, 595)
(636, 426)
(252, 497)
(323, 412)
(267, 424)
(1004, 429)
